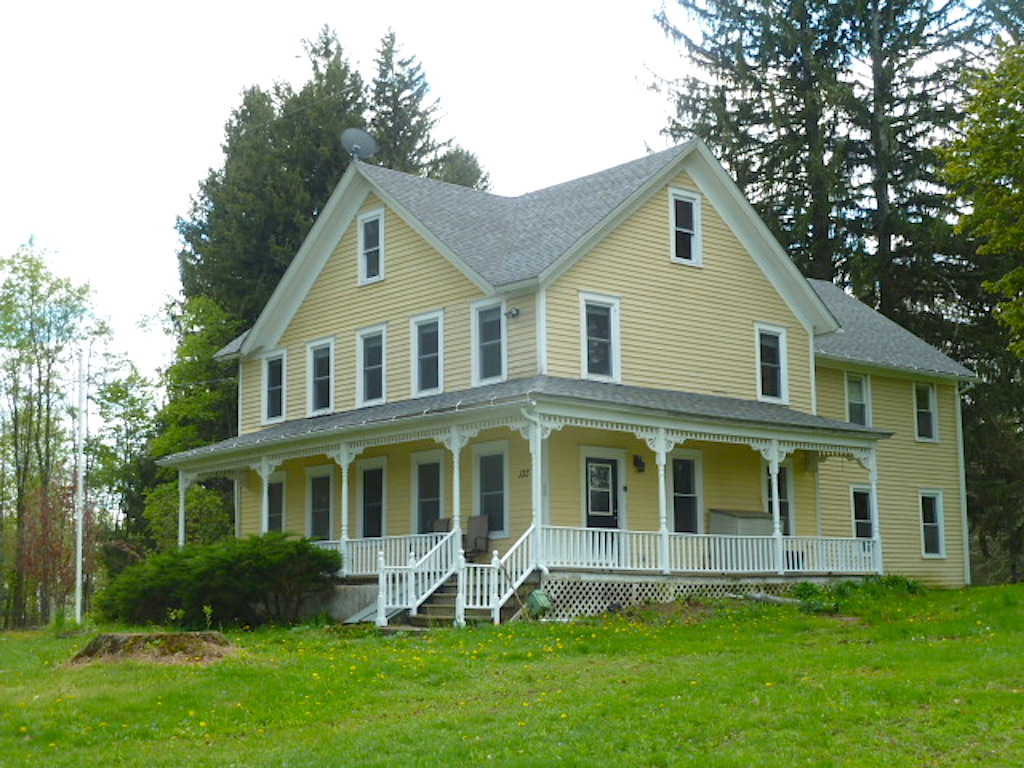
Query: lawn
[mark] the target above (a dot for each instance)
(897, 680)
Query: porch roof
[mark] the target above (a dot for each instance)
(685, 406)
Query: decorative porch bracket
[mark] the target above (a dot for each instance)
(265, 467)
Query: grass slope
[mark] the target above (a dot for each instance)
(934, 680)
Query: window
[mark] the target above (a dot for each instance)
(858, 402)
(924, 406)
(428, 494)
(428, 354)
(785, 494)
(371, 382)
(488, 343)
(686, 246)
(371, 247)
(491, 485)
(273, 389)
(372, 500)
(932, 543)
(275, 503)
(685, 494)
(772, 381)
(320, 492)
(320, 360)
(600, 323)
(861, 500)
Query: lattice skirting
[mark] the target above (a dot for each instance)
(588, 595)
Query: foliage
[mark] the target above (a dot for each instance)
(234, 582)
(209, 516)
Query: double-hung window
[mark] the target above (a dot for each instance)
(371, 247)
(685, 493)
(320, 363)
(488, 339)
(858, 399)
(275, 503)
(320, 493)
(932, 540)
(926, 426)
(490, 478)
(685, 215)
(427, 354)
(428, 490)
(371, 365)
(861, 501)
(600, 339)
(772, 378)
(273, 387)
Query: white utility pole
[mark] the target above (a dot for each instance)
(80, 488)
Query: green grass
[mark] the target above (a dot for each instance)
(917, 680)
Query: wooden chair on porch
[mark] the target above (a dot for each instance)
(477, 538)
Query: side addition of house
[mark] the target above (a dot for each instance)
(617, 385)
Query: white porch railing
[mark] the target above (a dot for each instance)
(407, 586)
(489, 586)
(359, 557)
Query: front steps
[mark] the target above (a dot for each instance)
(439, 608)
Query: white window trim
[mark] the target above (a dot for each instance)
(311, 473)
(416, 459)
(376, 213)
(362, 334)
(933, 403)
(276, 477)
(281, 354)
(866, 378)
(940, 521)
(492, 448)
(380, 462)
(600, 452)
(855, 489)
(780, 331)
(613, 303)
(789, 491)
(697, 457)
(698, 250)
(311, 347)
(414, 323)
(475, 309)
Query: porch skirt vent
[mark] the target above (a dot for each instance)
(572, 597)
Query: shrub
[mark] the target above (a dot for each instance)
(229, 583)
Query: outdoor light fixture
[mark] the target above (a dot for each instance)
(638, 462)
(513, 312)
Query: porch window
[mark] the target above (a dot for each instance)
(320, 505)
(371, 357)
(932, 539)
(600, 322)
(861, 512)
(685, 497)
(320, 358)
(785, 494)
(858, 409)
(371, 247)
(491, 478)
(685, 212)
(427, 490)
(924, 405)
(488, 343)
(372, 498)
(275, 505)
(273, 391)
(771, 364)
(428, 354)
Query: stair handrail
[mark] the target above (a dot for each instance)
(418, 585)
(528, 565)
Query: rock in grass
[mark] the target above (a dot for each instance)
(166, 647)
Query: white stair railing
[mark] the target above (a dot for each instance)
(406, 587)
(488, 586)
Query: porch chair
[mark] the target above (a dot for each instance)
(441, 525)
(477, 538)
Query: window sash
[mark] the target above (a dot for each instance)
(931, 524)
(320, 381)
(770, 345)
(373, 502)
(600, 346)
(925, 411)
(489, 343)
(684, 227)
(428, 495)
(428, 355)
(684, 496)
(275, 388)
(275, 506)
(371, 248)
(491, 469)
(320, 507)
(862, 514)
(857, 399)
(373, 366)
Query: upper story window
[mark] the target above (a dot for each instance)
(427, 354)
(273, 387)
(927, 427)
(371, 365)
(600, 325)
(489, 353)
(772, 376)
(858, 399)
(932, 539)
(686, 238)
(320, 363)
(371, 247)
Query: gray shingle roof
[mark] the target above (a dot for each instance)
(508, 239)
(683, 405)
(869, 337)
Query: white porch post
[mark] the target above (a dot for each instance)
(876, 532)
(661, 445)
(457, 439)
(537, 431)
(185, 481)
(773, 471)
(343, 456)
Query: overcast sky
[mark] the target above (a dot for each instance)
(114, 111)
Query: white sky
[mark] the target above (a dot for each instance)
(114, 111)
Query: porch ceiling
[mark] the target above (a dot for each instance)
(686, 411)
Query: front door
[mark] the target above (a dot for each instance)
(602, 493)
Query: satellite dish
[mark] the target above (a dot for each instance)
(358, 143)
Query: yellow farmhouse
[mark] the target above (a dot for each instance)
(619, 387)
